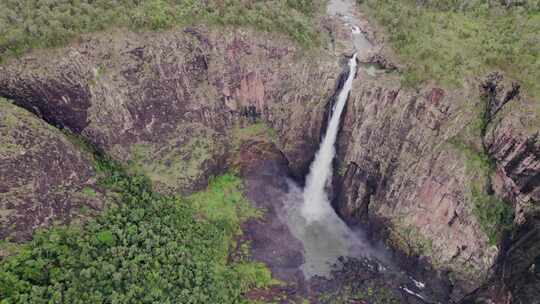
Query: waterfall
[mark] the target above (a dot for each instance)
(316, 204)
(325, 237)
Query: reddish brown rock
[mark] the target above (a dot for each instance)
(409, 173)
(167, 102)
(436, 95)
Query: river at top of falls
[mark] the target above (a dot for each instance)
(346, 10)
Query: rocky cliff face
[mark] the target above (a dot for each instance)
(413, 160)
(395, 149)
(44, 178)
(170, 103)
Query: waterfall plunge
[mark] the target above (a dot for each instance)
(316, 204)
(325, 237)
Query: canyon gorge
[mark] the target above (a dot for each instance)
(440, 187)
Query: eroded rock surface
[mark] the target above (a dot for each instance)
(411, 159)
(168, 102)
(265, 170)
(44, 178)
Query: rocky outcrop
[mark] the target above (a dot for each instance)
(513, 142)
(411, 176)
(353, 193)
(520, 270)
(168, 102)
(44, 178)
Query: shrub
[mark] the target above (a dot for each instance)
(493, 214)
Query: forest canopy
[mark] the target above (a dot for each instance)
(146, 248)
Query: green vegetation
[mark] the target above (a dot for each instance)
(475, 161)
(254, 275)
(89, 192)
(176, 162)
(409, 240)
(29, 24)
(449, 40)
(178, 165)
(493, 214)
(8, 248)
(258, 130)
(147, 248)
(223, 201)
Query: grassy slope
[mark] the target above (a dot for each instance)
(29, 24)
(449, 40)
(148, 249)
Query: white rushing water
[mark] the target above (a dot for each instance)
(309, 213)
(324, 235)
(316, 204)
